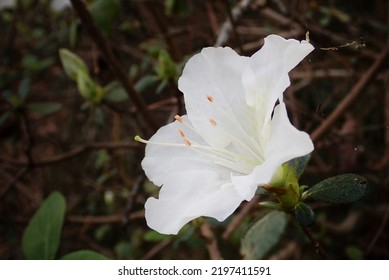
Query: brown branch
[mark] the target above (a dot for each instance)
(112, 61)
(379, 232)
(107, 219)
(18, 176)
(156, 249)
(226, 28)
(210, 241)
(319, 249)
(233, 26)
(351, 96)
(73, 153)
(238, 218)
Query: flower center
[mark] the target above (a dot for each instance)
(240, 156)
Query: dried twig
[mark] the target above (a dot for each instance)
(73, 153)
(211, 242)
(238, 218)
(379, 232)
(108, 219)
(351, 96)
(18, 176)
(156, 249)
(319, 249)
(227, 27)
(112, 61)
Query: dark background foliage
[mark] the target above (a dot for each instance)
(85, 149)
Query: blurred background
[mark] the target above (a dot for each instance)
(58, 133)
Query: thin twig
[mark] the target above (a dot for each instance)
(156, 249)
(319, 249)
(233, 26)
(131, 202)
(107, 219)
(379, 232)
(18, 176)
(238, 218)
(73, 153)
(351, 96)
(112, 61)
(211, 242)
(226, 28)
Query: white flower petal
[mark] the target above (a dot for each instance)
(266, 78)
(170, 155)
(211, 83)
(285, 143)
(188, 195)
(193, 185)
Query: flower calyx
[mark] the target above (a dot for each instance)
(285, 186)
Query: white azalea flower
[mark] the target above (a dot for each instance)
(232, 140)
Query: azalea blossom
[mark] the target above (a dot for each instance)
(236, 134)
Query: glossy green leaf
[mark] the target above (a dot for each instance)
(299, 164)
(72, 64)
(263, 234)
(84, 255)
(344, 188)
(42, 235)
(304, 214)
(44, 108)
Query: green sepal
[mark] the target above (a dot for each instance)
(271, 205)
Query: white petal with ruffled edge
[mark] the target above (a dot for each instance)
(285, 143)
(193, 185)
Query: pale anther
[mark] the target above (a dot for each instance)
(182, 134)
(213, 122)
(187, 142)
(179, 118)
(210, 98)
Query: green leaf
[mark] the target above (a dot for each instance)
(24, 88)
(145, 83)
(99, 116)
(42, 235)
(84, 255)
(263, 234)
(88, 88)
(153, 236)
(344, 188)
(102, 158)
(44, 108)
(166, 68)
(72, 64)
(304, 214)
(104, 13)
(299, 164)
(33, 63)
(116, 95)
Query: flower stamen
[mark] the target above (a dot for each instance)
(179, 118)
(210, 98)
(213, 122)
